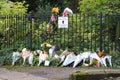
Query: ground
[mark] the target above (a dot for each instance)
(47, 73)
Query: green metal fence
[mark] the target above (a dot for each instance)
(84, 32)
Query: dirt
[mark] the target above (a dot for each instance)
(47, 73)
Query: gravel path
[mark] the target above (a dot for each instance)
(47, 73)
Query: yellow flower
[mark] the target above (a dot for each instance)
(55, 10)
(61, 50)
(46, 44)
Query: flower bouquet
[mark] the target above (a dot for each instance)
(55, 11)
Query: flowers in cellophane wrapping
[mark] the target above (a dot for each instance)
(67, 11)
(52, 21)
(55, 11)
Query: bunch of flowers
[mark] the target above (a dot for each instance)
(55, 11)
(67, 11)
(52, 21)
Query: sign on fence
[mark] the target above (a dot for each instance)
(62, 22)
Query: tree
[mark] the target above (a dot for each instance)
(48, 5)
(73, 4)
(8, 7)
(97, 6)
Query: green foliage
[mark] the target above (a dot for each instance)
(115, 58)
(10, 8)
(5, 56)
(110, 18)
(61, 4)
(11, 22)
(44, 9)
(97, 6)
(15, 29)
(85, 31)
(45, 12)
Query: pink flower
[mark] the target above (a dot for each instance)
(67, 11)
(52, 18)
(64, 13)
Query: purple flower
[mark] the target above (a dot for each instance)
(57, 48)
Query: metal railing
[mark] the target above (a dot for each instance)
(84, 32)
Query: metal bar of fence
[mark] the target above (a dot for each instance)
(118, 31)
(91, 21)
(100, 31)
(15, 30)
(30, 17)
(26, 20)
(68, 30)
(87, 31)
(76, 32)
(108, 18)
(6, 32)
(7, 27)
(24, 28)
(83, 31)
(25, 23)
(119, 36)
(105, 24)
(80, 32)
(38, 35)
(72, 31)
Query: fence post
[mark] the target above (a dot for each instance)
(100, 31)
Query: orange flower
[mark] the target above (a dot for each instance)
(100, 54)
(55, 10)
